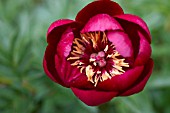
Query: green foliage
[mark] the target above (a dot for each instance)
(24, 87)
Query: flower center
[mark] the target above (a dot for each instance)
(96, 57)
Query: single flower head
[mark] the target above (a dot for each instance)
(100, 55)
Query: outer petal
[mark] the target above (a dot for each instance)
(122, 43)
(82, 82)
(121, 82)
(101, 22)
(93, 97)
(57, 28)
(58, 23)
(136, 20)
(47, 72)
(139, 85)
(69, 74)
(63, 67)
(144, 51)
(49, 64)
(53, 37)
(132, 30)
(98, 7)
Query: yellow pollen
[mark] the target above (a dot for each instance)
(90, 73)
(106, 48)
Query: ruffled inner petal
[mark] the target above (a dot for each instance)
(101, 22)
(132, 30)
(64, 46)
(63, 67)
(93, 97)
(70, 75)
(67, 72)
(141, 46)
(98, 7)
(141, 82)
(122, 43)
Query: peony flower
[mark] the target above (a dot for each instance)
(100, 55)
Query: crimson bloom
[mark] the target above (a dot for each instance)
(103, 54)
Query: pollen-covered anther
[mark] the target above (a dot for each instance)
(90, 73)
(96, 57)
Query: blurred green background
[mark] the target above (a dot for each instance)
(24, 88)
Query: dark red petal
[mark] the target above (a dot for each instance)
(122, 43)
(132, 30)
(101, 22)
(144, 51)
(82, 82)
(139, 85)
(121, 82)
(53, 38)
(93, 97)
(58, 23)
(47, 71)
(65, 43)
(57, 28)
(98, 7)
(49, 64)
(66, 72)
(137, 20)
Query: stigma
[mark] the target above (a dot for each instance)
(96, 57)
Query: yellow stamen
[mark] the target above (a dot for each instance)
(95, 71)
(90, 73)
